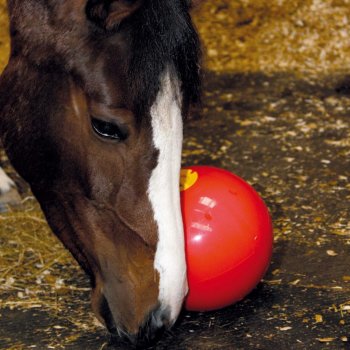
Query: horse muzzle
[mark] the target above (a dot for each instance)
(136, 329)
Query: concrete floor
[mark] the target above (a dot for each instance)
(289, 137)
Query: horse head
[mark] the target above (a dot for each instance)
(92, 104)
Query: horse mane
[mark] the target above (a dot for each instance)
(159, 34)
(162, 35)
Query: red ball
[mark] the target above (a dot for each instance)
(229, 238)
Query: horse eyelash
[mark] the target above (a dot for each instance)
(108, 130)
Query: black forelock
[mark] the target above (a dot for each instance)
(162, 34)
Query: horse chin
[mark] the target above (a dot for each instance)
(139, 330)
(150, 331)
(153, 326)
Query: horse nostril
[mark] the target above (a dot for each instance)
(160, 318)
(156, 323)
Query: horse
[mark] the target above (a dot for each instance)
(92, 106)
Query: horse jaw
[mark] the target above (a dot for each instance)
(164, 195)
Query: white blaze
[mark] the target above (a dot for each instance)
(164, 195)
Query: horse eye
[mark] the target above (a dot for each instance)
(108, 130)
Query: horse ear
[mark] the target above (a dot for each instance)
(110, 13)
